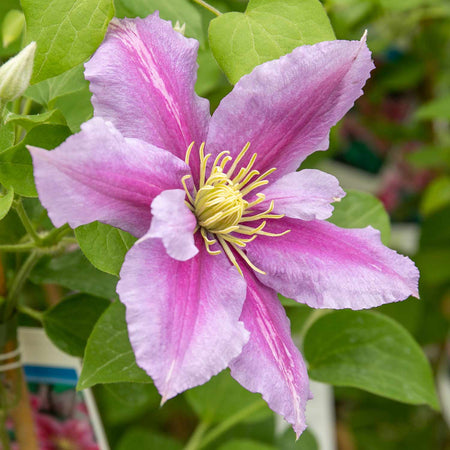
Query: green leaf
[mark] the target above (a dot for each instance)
(69, 323)
(287, 441)
(267, 30)
(209, 75)
(6, 202)
(144, 439)
(435, 109)
(16, 171)
(67, 83)
(74, 271)
(67, 32)
(182, 10)
(28, 122)
(7, 133)
(76, 107)
(16, 168)
(109, 357)
(360, 209)
(11, 228)
(245, 444)
(104, 246)
(122, 403)
(222, 397)
(436, 196)
(434, 249)
(372, 352)
(430, 157)
(6, 136)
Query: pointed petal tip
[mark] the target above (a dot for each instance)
(364, 36)
(164, 399)
(356, 270)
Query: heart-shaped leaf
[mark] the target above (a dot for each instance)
(267, 30)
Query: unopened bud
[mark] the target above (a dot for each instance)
(12, 27)
(15, 74)
(180, 28)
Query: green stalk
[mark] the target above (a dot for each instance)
(24, 247)
(196, 438)
(315, 315)
(27, 106)
(37, 315)
(23, 216)
(230, 422)
(207, 6)
(56, 235)
(18, 282)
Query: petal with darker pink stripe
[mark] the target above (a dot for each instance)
(98, 174)
(270, 363)
(142, 78)
(183, 316)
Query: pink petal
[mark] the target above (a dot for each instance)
(270, 363)
(142, 78)
(325, 266)
(174, 223)
(305, 195)
(285, 108)
(183, 317)
(97, 174)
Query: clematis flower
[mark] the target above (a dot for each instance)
(224, 220)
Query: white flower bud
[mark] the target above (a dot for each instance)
(15, 74)
(180, 28)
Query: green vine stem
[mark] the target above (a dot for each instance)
(229, 423)
(23, 216)
(207, 6)
(18, 282)
(24, 247)
(197, 435)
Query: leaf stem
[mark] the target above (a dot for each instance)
(19, 281)
(34, 313)
(230, 422)
(197, 435)
(25, 247)
(27, 106)
(23, 216)
(315, 315)
(209, 7)
(56, 234)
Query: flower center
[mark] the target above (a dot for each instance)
(220, 206)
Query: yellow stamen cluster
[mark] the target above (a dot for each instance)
(220, 207)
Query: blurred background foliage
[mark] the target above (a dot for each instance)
(394, 144)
